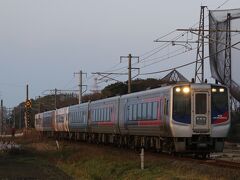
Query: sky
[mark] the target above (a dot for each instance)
(43, 42)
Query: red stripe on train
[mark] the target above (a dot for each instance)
(221, 119)
(149, 123)
(105, 123)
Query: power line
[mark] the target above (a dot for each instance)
(187, 64)
(164, 59)
(225, 2)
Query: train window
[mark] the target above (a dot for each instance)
(201, 103)
(102, 115)
(130, 109)
(134, 112)
(144, 111)
(181, 107)
(139, 111)
(167, 108)
(93, 115)
(97, 114)
(149, 111)
(107, 114)
(85, 116)
(220, 101)
(154, 112)
(110, 113)
(80, 117)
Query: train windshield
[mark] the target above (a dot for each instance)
(182, 104)
(219, 104)
(200, 103)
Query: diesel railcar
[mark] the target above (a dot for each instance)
(187, 117)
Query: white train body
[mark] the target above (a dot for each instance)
(180, 118)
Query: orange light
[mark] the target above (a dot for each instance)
(186, 90)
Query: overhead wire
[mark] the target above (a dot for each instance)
(177, 67)
(165, 45)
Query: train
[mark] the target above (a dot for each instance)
(180, 118)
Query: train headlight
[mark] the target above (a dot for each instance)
(186, 90)
(214, 90)
(178, 89)
(221, 90)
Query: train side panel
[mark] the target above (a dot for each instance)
(146, 113)
(103, 116)
(78, 118)
(61, 117)
(39, 122)
(48, 121)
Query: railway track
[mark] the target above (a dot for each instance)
(222, 163)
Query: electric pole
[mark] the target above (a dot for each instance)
(1, 116)
(55, 98)
(80, 73)
(130, 69)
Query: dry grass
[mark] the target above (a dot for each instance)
(89, 161)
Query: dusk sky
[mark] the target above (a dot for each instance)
(43, 42)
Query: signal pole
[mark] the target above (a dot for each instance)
(130, 69)
(80, 73)
(28, 105)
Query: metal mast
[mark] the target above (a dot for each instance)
(199, 69)
(227, 63)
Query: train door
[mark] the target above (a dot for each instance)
(201, 113)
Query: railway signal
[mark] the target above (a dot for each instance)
(28, 106)
(28, 103)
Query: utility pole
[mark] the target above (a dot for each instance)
(1, 116)
(80, 73)
(55, 98)
(129, 69)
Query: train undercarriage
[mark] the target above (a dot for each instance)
(198, 145)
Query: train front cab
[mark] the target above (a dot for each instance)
(200, 117)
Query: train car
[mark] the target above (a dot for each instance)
(48, 118)
(39, 122)
(61, 120)
(78, 120)
(146, 112)
(177, 118)
(48, 122)
(144, 117)
(200, 117)
(103, 119)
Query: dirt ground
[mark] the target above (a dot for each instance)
(24, 165)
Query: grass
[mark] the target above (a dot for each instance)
(88, 161)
